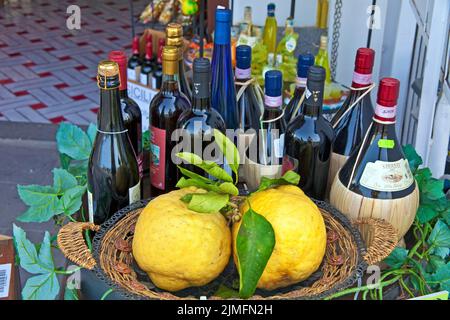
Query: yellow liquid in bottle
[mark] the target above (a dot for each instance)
(322, 58)
(270, 34)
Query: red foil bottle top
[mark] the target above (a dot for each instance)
(121, 59)
(135, 46)
(161, 43)
(148, 50)
(364, 60)
(388, 92)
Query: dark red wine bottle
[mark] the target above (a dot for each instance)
(352, 120)
(148, 63)
(198, 123)
(113, 173)
(293, 109)
(131, 113)
(135, 61)
(309, 139)
(165, 109)
(379, 169)
(158, 70)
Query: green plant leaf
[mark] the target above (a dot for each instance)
(397, 258)
(193, 175)
(70, 294)
(290, 177)
(41, 287)
(413, 158)
(92, 132)
(185, 183)
(29, 259)
(441, 252)
(34, 195)
(45, 253)
(422, 175)
(440, 235)
(442, 276)
(433, 189)
(209, 167)
(226, 293)
(435, 263)
(63, 180)
(210, 202)
(229, 150)
(229, 188)
(79, 170)
(65, 160)
(72, 199)
(42, 212)
(426, 214)
(73, 141)
(255, 242)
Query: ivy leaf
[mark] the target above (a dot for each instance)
(209, 167)
(29, 259)
(72, 199)
(397, 258)
(436, 262)
(413, 158)
(426, 214)
(92, 132)
(73, 141)
(229, 150)
(45, 253)
(422, 175)
(63, 180)
(290, 177)
(433, 189)
(34, 195)
(229, 188)
(210, 202)
(441, 252)
(42, 212)
(442, 276)
(65, 160)
(440, 235)
(41, 287)
(446, 216)
(255, 243)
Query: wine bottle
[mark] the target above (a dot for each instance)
(270, 29)
(322, 57)
(113, 173)
(135, 61)
(353, 119)
(272, 135)
(158, 70)
(223, 92)
(309, 139)
(165, 109)
(376, 180)
(198, 123)
(131, 112)
(148, 63)
(249, 106)
(293, 109)
(174, 36)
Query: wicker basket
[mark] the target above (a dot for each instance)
(345, 260)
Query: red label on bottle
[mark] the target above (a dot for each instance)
(158, 157)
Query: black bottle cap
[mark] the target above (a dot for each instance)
(201, 78)
(243, 56)
(316, 74)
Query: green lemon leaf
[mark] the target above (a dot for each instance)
(413, 158)
(397, 258)
(229, 150)
(228, 187)
(255, 242)
(73, 141)
(210, 202)
(440, 235)
(92, 132)
(42, 212)
(290, 177)
(193, 175)
(185, 183)
(426, 214)
(442, 276)
(72, 199)
(190, 158)
(209, 167)
(63, 180)
(29, 259)
(41, 287)
(186, 198)
(34, 195)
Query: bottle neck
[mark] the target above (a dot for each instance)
(385, 115)
(313, 100)
(361, 79)
(273, 103)
(243, 74)
(110, 115)
(169, 82)
(201, 103)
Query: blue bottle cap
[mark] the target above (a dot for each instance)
(243, 56)
(271, 9)
(305, 61)
(222, 34)
(273, 83)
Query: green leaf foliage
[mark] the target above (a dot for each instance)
(209, 202)
(92, 132)
(397, 258)
(229, 150)
(185, 183)
(255, 242)
(212, 168)
(440, 236)
(229, 188)
(41, 287)
(426, 213)
(413, 158)
(226, 293)
(73, 141)
(442, 277)
(290, 177)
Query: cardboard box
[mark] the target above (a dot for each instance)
(9, 275)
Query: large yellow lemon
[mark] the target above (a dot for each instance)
(300, 235)
(180, 248)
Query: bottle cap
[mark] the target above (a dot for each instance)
(174, 34)
(202, 65)
(388, 92)
(243, 57)
(271, 9)
(201, 78)
(323, 42)
(316, 74)
(121, 59)
(107, 68)
(222, 34)
(273, 83)
(170, 53)
(364, 60)
(305, 61)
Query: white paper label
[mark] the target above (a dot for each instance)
(90, 207)
(279, 146)
(291, 44)
(387, 176)
(131, 74)
(144, 79)
(135, 193)
(5, 279)
(143, 96)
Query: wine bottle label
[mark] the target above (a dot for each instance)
(134, 193)
(158, 157)
(300, 82)
(278, 146)
(364, 79)
(387, 176)
(90, 207)
(291, 44)
(385, 114)
(273, 101)
(243, 73)
(144, 79)
(131, 74)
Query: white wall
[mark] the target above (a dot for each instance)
(305, 11)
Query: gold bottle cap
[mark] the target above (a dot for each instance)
(323, 42)
(108, 68)
(170, 53)
(174, 30)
